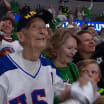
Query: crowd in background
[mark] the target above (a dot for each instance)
(77, 52)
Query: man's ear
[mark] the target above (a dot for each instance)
(20, 36)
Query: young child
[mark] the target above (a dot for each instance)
(90, 69)
(85, 90)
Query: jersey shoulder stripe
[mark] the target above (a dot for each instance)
(6, 64)
(46, 62)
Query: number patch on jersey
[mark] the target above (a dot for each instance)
(35, 95)
(38, 93)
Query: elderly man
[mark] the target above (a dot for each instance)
(26, 77)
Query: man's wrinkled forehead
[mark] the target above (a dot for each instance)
(36, 22)
(36, 19)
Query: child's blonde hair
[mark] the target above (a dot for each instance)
(100, 100)
(82, 64)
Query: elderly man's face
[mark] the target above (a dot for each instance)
(36, 35)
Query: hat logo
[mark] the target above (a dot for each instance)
(30, 14)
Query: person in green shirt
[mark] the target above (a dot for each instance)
(63, 8)
(53, 24)
(12, 5)
(87, 11)
(60, 49)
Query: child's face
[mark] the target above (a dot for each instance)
(93, 72)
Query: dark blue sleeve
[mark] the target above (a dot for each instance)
(6, 64)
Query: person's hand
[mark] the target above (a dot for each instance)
(94, 84)
(84, 79)
(66, 94)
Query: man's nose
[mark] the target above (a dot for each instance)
(41, 29)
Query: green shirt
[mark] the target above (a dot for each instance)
(64, 10)
(69, 74)
(87, 12)
(14, 32)
(53, 24)
(14, 6)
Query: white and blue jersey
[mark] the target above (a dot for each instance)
(14, 45)
(18, 86)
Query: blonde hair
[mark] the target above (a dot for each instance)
(100, 100)
(57, 40)
(82, 64)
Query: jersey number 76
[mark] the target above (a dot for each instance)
(34, 97)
